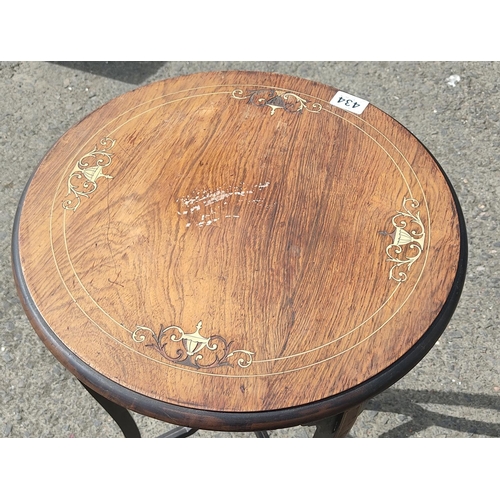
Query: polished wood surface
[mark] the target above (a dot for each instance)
(233, 242)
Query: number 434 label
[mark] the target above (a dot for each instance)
(349, 102)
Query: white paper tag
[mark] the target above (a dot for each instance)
(349, 102)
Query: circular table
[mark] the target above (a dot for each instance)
(239, 251)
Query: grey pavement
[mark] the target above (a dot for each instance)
(452, 107)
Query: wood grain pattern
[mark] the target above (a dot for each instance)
(232, 242)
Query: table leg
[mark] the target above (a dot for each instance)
(179, 432)
(262, 434)
(338, 426)
(120, 415)
(127, 424)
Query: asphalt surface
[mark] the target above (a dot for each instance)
(452, 107)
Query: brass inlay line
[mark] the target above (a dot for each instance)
(192, 346)
(313, 349)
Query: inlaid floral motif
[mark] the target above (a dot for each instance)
(82, 180)
(407, 240)
(192, 349)
(277, 99)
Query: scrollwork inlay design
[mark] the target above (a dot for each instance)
(193, 349)
(82, 180)
(277, 99)
(407, 240)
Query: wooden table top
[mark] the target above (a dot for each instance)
(238, 243)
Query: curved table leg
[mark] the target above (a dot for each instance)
(127, 424)
(261, 434)
(337, 426)
(332, 427)
(120, 415)
(179, 432)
